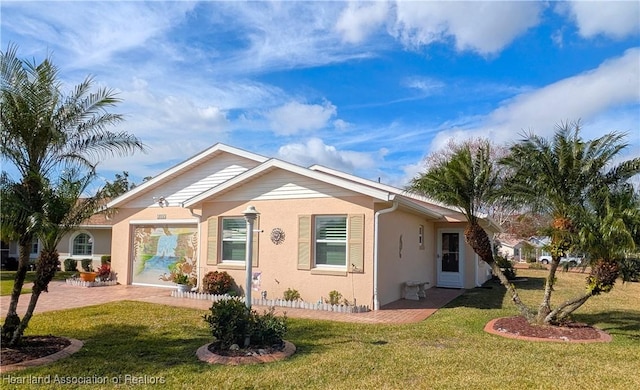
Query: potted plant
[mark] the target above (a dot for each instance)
(88, 274)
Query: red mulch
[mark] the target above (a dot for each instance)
(569, 332)
(32, 347)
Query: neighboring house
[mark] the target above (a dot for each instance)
(518, 249)
(320, 230)
(90, 240)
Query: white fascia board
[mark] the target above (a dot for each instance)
(279, 164)
(183, 165)
(163, 221)
(406, 203)
(384, 187)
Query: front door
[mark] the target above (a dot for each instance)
(450, 258)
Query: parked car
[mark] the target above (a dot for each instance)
(572, 261)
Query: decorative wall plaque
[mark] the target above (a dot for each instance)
(277, 236)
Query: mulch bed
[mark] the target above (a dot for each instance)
(519, 327)
(32, 347)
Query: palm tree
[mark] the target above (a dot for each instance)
(557, 178)
(45, 133)
(469, 180)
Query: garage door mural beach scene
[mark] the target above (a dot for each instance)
(160, 249)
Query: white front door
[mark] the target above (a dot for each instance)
(450, 258)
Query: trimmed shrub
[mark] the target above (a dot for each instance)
(268, 329)
(231, 322)
(86, 265)
(218, 283)
(106, 259)
(70, 265)
(291, 295)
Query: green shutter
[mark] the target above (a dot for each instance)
(212, 241)
(355, 239)
(304, 242)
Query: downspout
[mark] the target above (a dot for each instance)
(376, 227)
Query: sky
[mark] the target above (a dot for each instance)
(368, 88)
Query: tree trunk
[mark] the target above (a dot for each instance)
(478, 239)
(545, 306)
(45, 271)
(12, 320)
(563, 311)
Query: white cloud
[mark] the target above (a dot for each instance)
(616, 19)
(315, 151)
(484, 27)
(113, 27)
(359, 20)
(424, 84)
(591, 96)
(295, 117)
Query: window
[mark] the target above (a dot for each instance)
(34, 246)
(82, 245)
(234, 239)
(331, 241)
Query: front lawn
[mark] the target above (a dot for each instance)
(6, 280)
(136, 343)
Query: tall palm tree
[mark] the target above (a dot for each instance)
(45, 133)
(556, 177)
(469, 180)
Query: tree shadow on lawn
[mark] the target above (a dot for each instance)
(121, 349)
(491, 294)
(316, 336)
(624, 323)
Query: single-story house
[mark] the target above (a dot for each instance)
(318, 230)
(90, 240)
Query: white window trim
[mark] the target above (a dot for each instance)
(71, 244)
(222, 241)
(330, 267)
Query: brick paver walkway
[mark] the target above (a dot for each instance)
(62, 296)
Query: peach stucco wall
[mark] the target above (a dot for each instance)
(278, 263)
(397, 265)
(121, 233)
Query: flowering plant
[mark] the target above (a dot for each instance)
(104, 272)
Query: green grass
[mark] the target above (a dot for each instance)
(7, 277)
(449, 350)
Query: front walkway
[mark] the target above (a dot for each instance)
(62, 296)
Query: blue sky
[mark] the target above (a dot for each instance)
(369, 88)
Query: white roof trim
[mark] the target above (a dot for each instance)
(275, 163)
(405, 202)
(381, 186)
(183, 165)
(163, 221)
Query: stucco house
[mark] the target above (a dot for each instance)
(89, 240)
(318, 230)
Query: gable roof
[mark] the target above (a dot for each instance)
(274, 164)
(188, 164)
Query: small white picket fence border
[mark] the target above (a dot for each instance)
(275, 302)
(82, 283)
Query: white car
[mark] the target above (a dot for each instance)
(572, 261)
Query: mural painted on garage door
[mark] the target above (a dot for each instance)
(160, 249)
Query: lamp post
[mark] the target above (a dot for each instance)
(250, 214)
